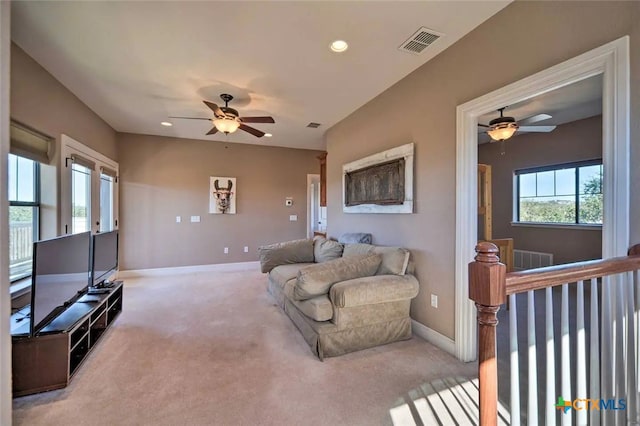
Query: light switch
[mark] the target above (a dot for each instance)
(178, 219)
(246, 249)
(195, 218)
(293, 218)
(226, 250)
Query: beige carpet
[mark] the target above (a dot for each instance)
(213, 349)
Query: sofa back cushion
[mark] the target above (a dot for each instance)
(324, 250)
(357, 249)
(296, 251)
(394, 259)
(315, 280)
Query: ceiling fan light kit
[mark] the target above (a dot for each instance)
(502, 131)
(226, 124)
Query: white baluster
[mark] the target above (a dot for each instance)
(620, 345)
(532, 402)
(632, 384)
(581, 368)
(550, 409)
(515, 368)
(606, 356)
(565, 353)
(594, 361)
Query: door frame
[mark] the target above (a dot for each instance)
(310, 181)
(612, 62)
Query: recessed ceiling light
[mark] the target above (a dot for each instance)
(339, 46)
(267, 135)
(166, 123)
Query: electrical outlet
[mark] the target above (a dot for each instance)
(434, 301)
(226, 250)
(246, 249)
(178, 219)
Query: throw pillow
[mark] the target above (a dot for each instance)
(357, 249)
(394, 260)
(315, 280)
(296, 251)
(324, 250)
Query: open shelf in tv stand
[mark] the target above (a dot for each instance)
(49, 359)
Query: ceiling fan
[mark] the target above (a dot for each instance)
(503, 128)
(228, 120)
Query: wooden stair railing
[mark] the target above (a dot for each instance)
(490, 286)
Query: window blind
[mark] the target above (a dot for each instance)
(28, 143)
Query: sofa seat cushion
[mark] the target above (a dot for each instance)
(283, 273)
(318, 308)
(297, 251)
(324, 250)
(315, 280)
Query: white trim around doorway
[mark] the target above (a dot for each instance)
(612, 62)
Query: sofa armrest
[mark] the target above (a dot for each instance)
(375, 289)
(296, 251)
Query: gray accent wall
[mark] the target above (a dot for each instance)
(571, 142)
(522, 39)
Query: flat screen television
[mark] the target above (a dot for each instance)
(60, 275)
(104, 256)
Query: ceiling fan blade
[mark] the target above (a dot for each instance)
(215, 108)
(257, 119)
(254, 132)
(534, 119)
(537, 129)
(212, 131)
(483, 125)
(193, 118)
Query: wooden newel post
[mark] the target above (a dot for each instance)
(487, 289)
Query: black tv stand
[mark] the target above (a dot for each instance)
(49, 359)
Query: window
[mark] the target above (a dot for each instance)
(24, 207)
(564, 194)
(107, 222)
(88, 189)
(80, 198)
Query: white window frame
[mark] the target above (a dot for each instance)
(575, 165)
(69, 147)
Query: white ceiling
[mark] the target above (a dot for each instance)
(576, 101)
(136, 63)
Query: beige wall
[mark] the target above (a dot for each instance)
(43, 103)
(161, 178)
(577, 141)
(522, 39)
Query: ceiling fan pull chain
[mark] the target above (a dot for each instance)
(502, 147)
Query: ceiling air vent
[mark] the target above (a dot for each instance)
(313, 125)
(420, 40)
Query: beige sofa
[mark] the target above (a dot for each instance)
(342, 298)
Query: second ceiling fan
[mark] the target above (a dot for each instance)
(503, 128)
(227, 120)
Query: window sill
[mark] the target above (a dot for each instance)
(575, 226)
(20, 287)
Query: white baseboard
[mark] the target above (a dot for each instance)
(218, 267)
(433, 337)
